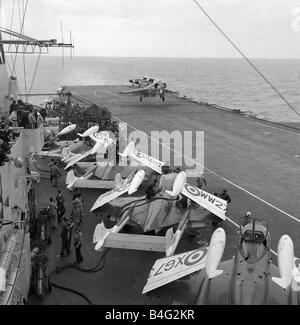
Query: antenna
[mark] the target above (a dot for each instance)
(62, 40)
(73, 46)
(71, 43)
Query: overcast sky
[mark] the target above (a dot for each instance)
(168, 28)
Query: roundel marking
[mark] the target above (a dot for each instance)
(192, 189)
(139, 154)
(195, 257)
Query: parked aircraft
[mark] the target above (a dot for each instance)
(155, 214)
(249, 278)
(169, 269)
(101, 171)
(130, 185)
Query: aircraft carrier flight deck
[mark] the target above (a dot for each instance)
(256, 161)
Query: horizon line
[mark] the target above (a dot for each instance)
(171, 57)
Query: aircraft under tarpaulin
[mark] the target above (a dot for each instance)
(157, 214)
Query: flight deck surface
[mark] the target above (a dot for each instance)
(256, 161)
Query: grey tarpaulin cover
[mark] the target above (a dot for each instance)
(158, 213)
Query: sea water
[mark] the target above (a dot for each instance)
(231, 83)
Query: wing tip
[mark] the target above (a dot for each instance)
(280, 282)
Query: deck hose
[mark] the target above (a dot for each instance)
(96, 268)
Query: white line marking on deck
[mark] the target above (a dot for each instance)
(278, 128)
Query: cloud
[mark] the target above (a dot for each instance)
(167, 27)
(119, 8)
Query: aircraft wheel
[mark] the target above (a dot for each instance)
(163, 98)
(141, 99)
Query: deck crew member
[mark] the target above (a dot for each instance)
(60, 206)
(44, 113)
(13, 118)
(23, 117)
(54, 171)
(77, 209)
(152, 189)
(225, 196)
(69, 235)
(50, 167)
(201, 182)
(38, 117)
(64, 235)
(77, 245)
(31, 119)
(53, 212)
(246, 219)
(13, 106)
(76, 193)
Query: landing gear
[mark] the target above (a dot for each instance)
(141, 98)
(163, 98)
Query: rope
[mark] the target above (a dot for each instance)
(22, 26)
(250, 62)
(10, 37)
(11, 23)
(34, 73)
(23, 56)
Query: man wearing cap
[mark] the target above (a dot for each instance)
(225, 196)
(246, 219)
(64, 235)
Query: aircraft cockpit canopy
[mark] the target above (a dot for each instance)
(254, 240)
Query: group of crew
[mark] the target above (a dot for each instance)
(25, 115)
(68, 224)
(6, 135)
(109, 125)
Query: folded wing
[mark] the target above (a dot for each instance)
(210, 202)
